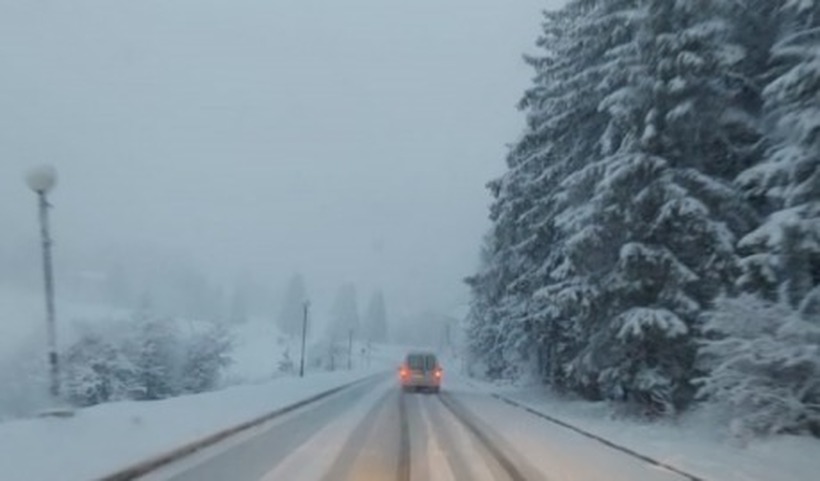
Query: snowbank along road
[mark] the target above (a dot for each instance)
(373, 431)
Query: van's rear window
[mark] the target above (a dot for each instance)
(426, 362)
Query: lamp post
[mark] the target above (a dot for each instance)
(350, 349)
(306, 307)
(42, 180)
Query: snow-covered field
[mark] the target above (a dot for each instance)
(258, 347)
(107, 437)
(23, 345)
(695, 444)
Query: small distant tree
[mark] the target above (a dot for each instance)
(336, 356)
(97, 371)
(286, 364)
(206, 355)
(327, 355)
(154, 350)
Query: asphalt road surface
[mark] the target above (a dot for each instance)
(373, 432)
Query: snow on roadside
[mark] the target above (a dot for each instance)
(23, 345)
(694, 443)
(258, 348)
(101, 439)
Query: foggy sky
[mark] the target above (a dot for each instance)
(348, 140)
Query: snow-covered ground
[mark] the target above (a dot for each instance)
(23, 345)
(104, 438)
(696, 443)
(258, 346)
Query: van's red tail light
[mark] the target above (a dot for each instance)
(403, 372)
(438, 373)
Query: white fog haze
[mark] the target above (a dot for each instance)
(409, 240)
(345, 141)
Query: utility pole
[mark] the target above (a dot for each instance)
(41, 180)
(369, 352)
(350, 349)
(306, 306)
(48, 276)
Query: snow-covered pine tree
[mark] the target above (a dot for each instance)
(614, 226)
(206, 354)
(286, 364)
(484, 323)
(665, 215)
(782, 256)
(154, 350)
(533, 211)
(607, 73)
(96, 370)
(763, 364)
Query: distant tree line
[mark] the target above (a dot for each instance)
(344, 313)
(656, 235)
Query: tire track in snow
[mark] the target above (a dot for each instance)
(459, 465)
(403, 473)
(509, 467)
(347, 457)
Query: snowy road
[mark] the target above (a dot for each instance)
(373, 431)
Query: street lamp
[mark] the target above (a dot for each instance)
(306, 307)
(350, 349)
(42, 180)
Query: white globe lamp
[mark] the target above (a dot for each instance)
(41, 179)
